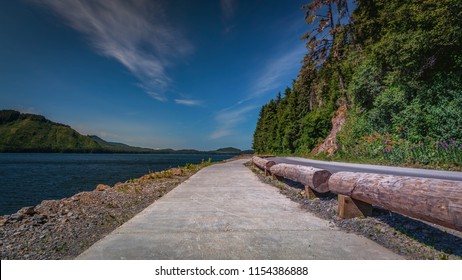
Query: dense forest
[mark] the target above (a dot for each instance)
(388, 73)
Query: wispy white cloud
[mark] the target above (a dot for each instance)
(271, 78)
(188, 102)
(220, 133)
(267, 81)
(135, 33)
(228, 119)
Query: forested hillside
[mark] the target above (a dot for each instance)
(34, 133)
(391, 73)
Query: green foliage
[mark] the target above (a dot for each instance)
(7, 116)
(366, 84)
(392, 149)
(353, 130)
(286, 126)
(123, 188)
(408, 83)
(401, 65)
(435, 112)
(191, 168)
(314, 128)
(389, 103)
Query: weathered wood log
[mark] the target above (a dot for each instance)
(263, 164)
(433, 200)
(316, 179)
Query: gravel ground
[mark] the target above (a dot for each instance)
(62, 229)
(405, 236)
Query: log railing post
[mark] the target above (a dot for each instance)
(351, 208)
(312, 194)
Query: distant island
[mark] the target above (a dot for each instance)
(30, 133)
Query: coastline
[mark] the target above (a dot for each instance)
(62, 229)
(27, 179)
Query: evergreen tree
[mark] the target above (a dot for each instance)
(397, 64)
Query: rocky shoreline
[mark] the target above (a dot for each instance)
(410, 238)
(62, 229)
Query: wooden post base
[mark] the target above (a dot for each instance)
(351, 208)
(312, 194)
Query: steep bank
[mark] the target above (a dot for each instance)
(397, 67)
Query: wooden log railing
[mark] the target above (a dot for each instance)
(432, 200)
(315, 180)
(263, 164)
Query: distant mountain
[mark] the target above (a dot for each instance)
(119, 147)
(35, 133)
(228, 150)
(104, 142)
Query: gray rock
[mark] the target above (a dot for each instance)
(40, 219)
(23, 227)
(49, 225)
(16, 217)
(29, 210)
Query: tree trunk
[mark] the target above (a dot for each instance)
(316, 179)
(262, 163)
(335, 50)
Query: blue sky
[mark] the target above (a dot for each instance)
(159, 74)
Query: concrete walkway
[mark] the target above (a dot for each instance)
(225, 212)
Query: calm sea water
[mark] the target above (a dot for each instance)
(27, 179)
